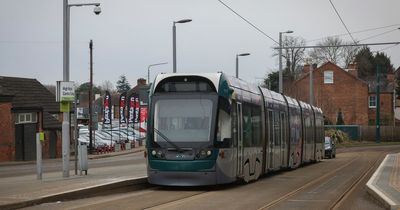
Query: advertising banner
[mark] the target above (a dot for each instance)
(107, 108)
(131, 109)
(122, 108)
(136, 118)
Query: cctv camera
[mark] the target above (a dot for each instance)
(97, 10)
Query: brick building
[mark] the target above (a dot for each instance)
(27, 107)
(337, 91)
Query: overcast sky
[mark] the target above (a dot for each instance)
(129, 35)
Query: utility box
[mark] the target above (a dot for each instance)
(82, 158)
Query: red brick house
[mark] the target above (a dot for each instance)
(27, 107)
(340, 91)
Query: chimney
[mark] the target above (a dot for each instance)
(141, 82)
(353, 69)
(306, 68)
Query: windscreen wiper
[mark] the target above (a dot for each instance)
(168, 140)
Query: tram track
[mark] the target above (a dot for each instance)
(342, 196)
(296, 191)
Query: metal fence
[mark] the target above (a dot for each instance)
(368, 133)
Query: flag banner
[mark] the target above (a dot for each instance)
(107, 108)
(131, 109)
(136, 118)
(122, 108)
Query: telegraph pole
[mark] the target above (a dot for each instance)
(90, 98)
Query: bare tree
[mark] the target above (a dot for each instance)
(107, 86)
(292, 56)
(341, 56)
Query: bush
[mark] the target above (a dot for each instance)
(337, 136)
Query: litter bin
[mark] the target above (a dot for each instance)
(82, 158)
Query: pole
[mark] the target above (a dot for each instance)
(38, 157)
(90, 99)
(237, 66)
(378, 128)
(280, 64)
(174, 47)
(76, 131)
(65, 123)
(311, 85)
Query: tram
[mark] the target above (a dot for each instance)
(211, 128)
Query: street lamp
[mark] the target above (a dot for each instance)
(148, 70)
(65, 123)
(237, 62)
(280, 60)
(174, 41)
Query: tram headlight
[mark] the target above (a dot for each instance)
(154, 153)
(208, 152)
(203, 153)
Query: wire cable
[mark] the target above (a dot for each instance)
(247, 21)
(380, 34)
(342, 22)
(355, 32)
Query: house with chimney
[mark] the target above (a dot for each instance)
(340, 92)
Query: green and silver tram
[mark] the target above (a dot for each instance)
(207, 129)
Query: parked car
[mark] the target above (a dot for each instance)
(330, 148)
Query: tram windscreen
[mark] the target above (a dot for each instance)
(183, 120)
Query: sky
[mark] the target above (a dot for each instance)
(130, 35)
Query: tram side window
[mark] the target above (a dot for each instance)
(270, 128)
(256, 124)
(247, 127)
(224, 126)
(283, 128)
(277, 129)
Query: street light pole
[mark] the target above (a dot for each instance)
(280, 60)
(237, 62)
(65, 124)
(174, 41)
(148, 70)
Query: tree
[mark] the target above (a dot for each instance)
(339, 55)
(84, 88)
(272, 81)
(340, 120)
(123, 84)
(107, 86)
(292, 56)
(367, 63)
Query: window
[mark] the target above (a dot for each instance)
(328, 77)
(372, 101)
(23, 118)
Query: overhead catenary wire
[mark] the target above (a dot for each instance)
(354, 32)
(247, 21)
(348, 31)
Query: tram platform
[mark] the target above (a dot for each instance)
(19, 191)
(384, 184)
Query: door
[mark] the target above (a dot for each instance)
(25, 141)
(239, 138)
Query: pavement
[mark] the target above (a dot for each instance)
(384, 185)
(26, 190)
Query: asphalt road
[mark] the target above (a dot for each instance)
(331, 184)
